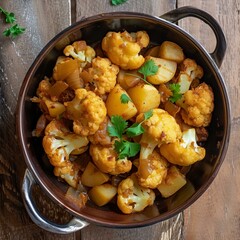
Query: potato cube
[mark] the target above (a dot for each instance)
(117, 106)
(171, 51)
(102, 194)
(166, 70)
(172, 183)
(92, 176)
(145, 97)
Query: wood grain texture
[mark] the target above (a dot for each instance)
(216, 214)
(42, 19)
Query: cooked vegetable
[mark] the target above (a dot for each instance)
(184, 151)
(166, 70)
(152, 171)
(197, 106)
(171, 51)
(172, 183)
(123, 48)
(87, 110)
(102, 194)
(101, 77)
(59, 142)
(144, 96)
(132, 197)
(106, 159)
(139, 117)
(116, 106)
(92, 176)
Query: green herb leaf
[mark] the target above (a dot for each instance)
(13, 31)
(148, 114)
(125, 98)
(135, 130)
(175, 88)
(118, 128)
(117, 2)
(9, 16)
(149, 68)
(126, 149)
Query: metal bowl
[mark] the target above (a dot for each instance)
(93, 29)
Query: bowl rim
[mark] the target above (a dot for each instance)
(37, 62)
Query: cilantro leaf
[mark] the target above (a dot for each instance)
(135, 130)
(148, 114)
(117, 2)
(126, 149)
(149, 68)
(14, 31)
(9, 16)
(125, 98)
(175, 88)
(118, 128)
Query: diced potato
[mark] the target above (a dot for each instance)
(172, 183)
(102, 194)
(63, 69)
(55, 109)
(145, 97)
(184, 81)
(166, 70)
(92, 176)
(127, 79)
(171, 51)
(154, 51)
(115, 105)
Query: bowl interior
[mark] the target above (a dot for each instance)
(92, 30)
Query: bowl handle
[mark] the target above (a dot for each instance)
(74, 225)
(188, 11)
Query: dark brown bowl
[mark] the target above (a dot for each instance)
(92, 30)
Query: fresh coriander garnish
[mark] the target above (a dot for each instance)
(136, 129)
(14, 30)
(149, 68)
(9, 16)
(125, 98)
(175, 88)
(117, 2)
(119, 128)
(126, 149)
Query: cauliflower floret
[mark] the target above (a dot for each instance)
(189, 70)
(87, 110)
(123, 48)
(106, 159)
(43, 88)
(101, 136)
(185, 151)
(70, 173)
(102, 76)
(160, 128)
(132, 197)
(59, 143)
(81, 51)
(152, 171)
(197, 106)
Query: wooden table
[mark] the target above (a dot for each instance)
(216, 215)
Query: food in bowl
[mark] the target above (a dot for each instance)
(122, 122)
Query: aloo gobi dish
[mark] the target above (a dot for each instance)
(123, 121)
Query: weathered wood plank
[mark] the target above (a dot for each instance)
(42, 19)
(171, 229)
(153, 7)
(216, 214)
